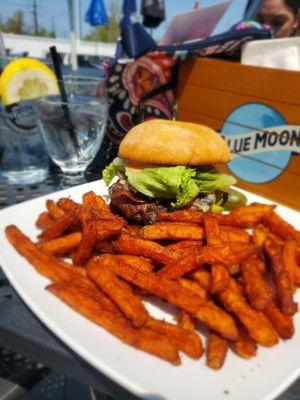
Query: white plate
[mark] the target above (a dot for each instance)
(261, 378)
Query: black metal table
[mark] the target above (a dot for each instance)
(22, 332)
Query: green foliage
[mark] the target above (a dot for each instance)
(111, 32)
(44, 32)
(16, 24)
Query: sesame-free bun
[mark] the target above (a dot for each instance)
(173, 143)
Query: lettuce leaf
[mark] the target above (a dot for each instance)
(187, 195)
(161, 182)
(210, 182)
(111, 170)
(180, 184)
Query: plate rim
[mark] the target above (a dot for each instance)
(59, 332)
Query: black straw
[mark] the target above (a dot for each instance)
(63, 93)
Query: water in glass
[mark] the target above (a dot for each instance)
(23, 158)
(72, 139)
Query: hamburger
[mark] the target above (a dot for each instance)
(170, 165)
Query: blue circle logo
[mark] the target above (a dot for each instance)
(260, 141)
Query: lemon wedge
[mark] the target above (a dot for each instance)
(25, 79)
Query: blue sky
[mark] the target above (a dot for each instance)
(55, 12)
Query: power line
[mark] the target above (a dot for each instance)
(35, 17)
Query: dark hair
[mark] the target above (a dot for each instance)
(294, 5)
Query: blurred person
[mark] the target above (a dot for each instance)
(282, 15)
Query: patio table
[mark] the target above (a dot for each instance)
(23, 333)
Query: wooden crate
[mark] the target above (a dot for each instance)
(257, 110)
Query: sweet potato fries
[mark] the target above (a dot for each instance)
(239, 286)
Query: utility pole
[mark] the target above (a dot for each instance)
(53, 27)
(73, 36)
(77, 16)
(35, 17)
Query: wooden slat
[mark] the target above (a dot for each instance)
(271, 84)
(210, 90)
(220, 104)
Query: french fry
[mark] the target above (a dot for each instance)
(174, 224)
(208, 266)
(209, 314)
(283, 324)
(246, 216)
(68, 205)
(281, 228)
(234, 269)
(132, 230)
(88, 286)
(46, 264)
(106, 230)
(105, 227)
(289, 256)
(53, 209)
(191, 232)
(184, 246)
(82, 213)
(258, 292)
(44, 221)
(202, 277)
(220, 278)
(120, 292)
(244, 347)
(256, 324)
(105, 246)
(260, 265)
(212, 230)
(216, 351)
(186, 321)
(176, 269)
(86, 245)
(130, 245)
(58, 228)
(281, 278)
(279, 241)
(260, 234)
(95, 201)
(184, 340)
(193, 287)
(169, 231)
(233, 234)
(139, 263)
(298, 255)
(194, 217)
(76, 208)
(224, 253)
(297, 276)
(61, 245)
(91, 307)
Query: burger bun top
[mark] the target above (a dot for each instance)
(166, 142)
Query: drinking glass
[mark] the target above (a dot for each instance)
(23, 157)
(73, 131)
